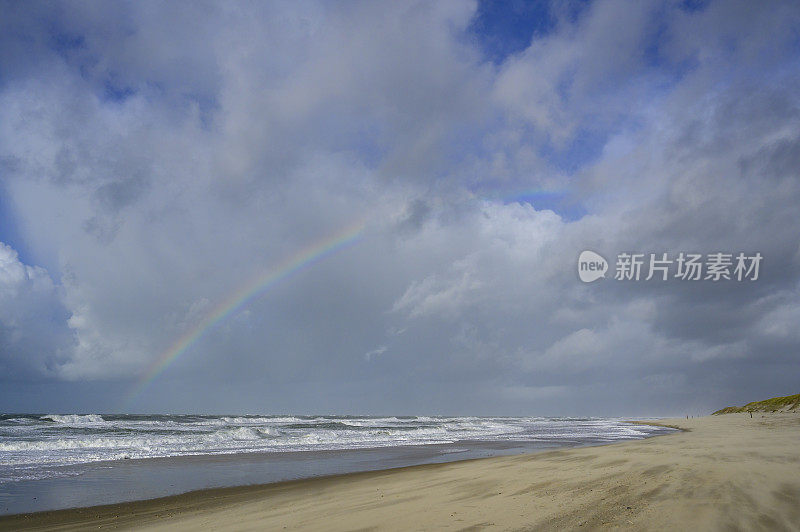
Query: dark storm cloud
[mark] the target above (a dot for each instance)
(160, 158)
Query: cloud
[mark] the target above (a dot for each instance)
(34, 338)
(375, 353)
(157, 160)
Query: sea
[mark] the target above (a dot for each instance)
(52, 461)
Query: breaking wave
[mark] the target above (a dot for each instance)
(74, 419)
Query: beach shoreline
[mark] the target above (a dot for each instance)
(75, 461)
(717, 471)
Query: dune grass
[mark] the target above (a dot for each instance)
(787, 403)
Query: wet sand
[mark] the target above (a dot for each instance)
(723, 473)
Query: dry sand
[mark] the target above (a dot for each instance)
(726, 473)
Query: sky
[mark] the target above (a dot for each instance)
(378, 207)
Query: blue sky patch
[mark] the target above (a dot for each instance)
(506, 28)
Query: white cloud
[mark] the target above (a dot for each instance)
(33, 335)
(167, 158)
(369, 355)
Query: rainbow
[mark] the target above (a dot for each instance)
(244, 295)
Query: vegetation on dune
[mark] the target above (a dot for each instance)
(790, 403)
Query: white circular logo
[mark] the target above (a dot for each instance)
(591, 266)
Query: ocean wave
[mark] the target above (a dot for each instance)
(179, 442)
(37, 442)
(19, 420)
(246, 433)
(260, 420)
(74, 419)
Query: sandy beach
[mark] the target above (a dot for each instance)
(728, 472)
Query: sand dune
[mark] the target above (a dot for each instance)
(725, 473)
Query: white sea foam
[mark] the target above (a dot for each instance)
(245, 433)
(74, 419)
(257, 420)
